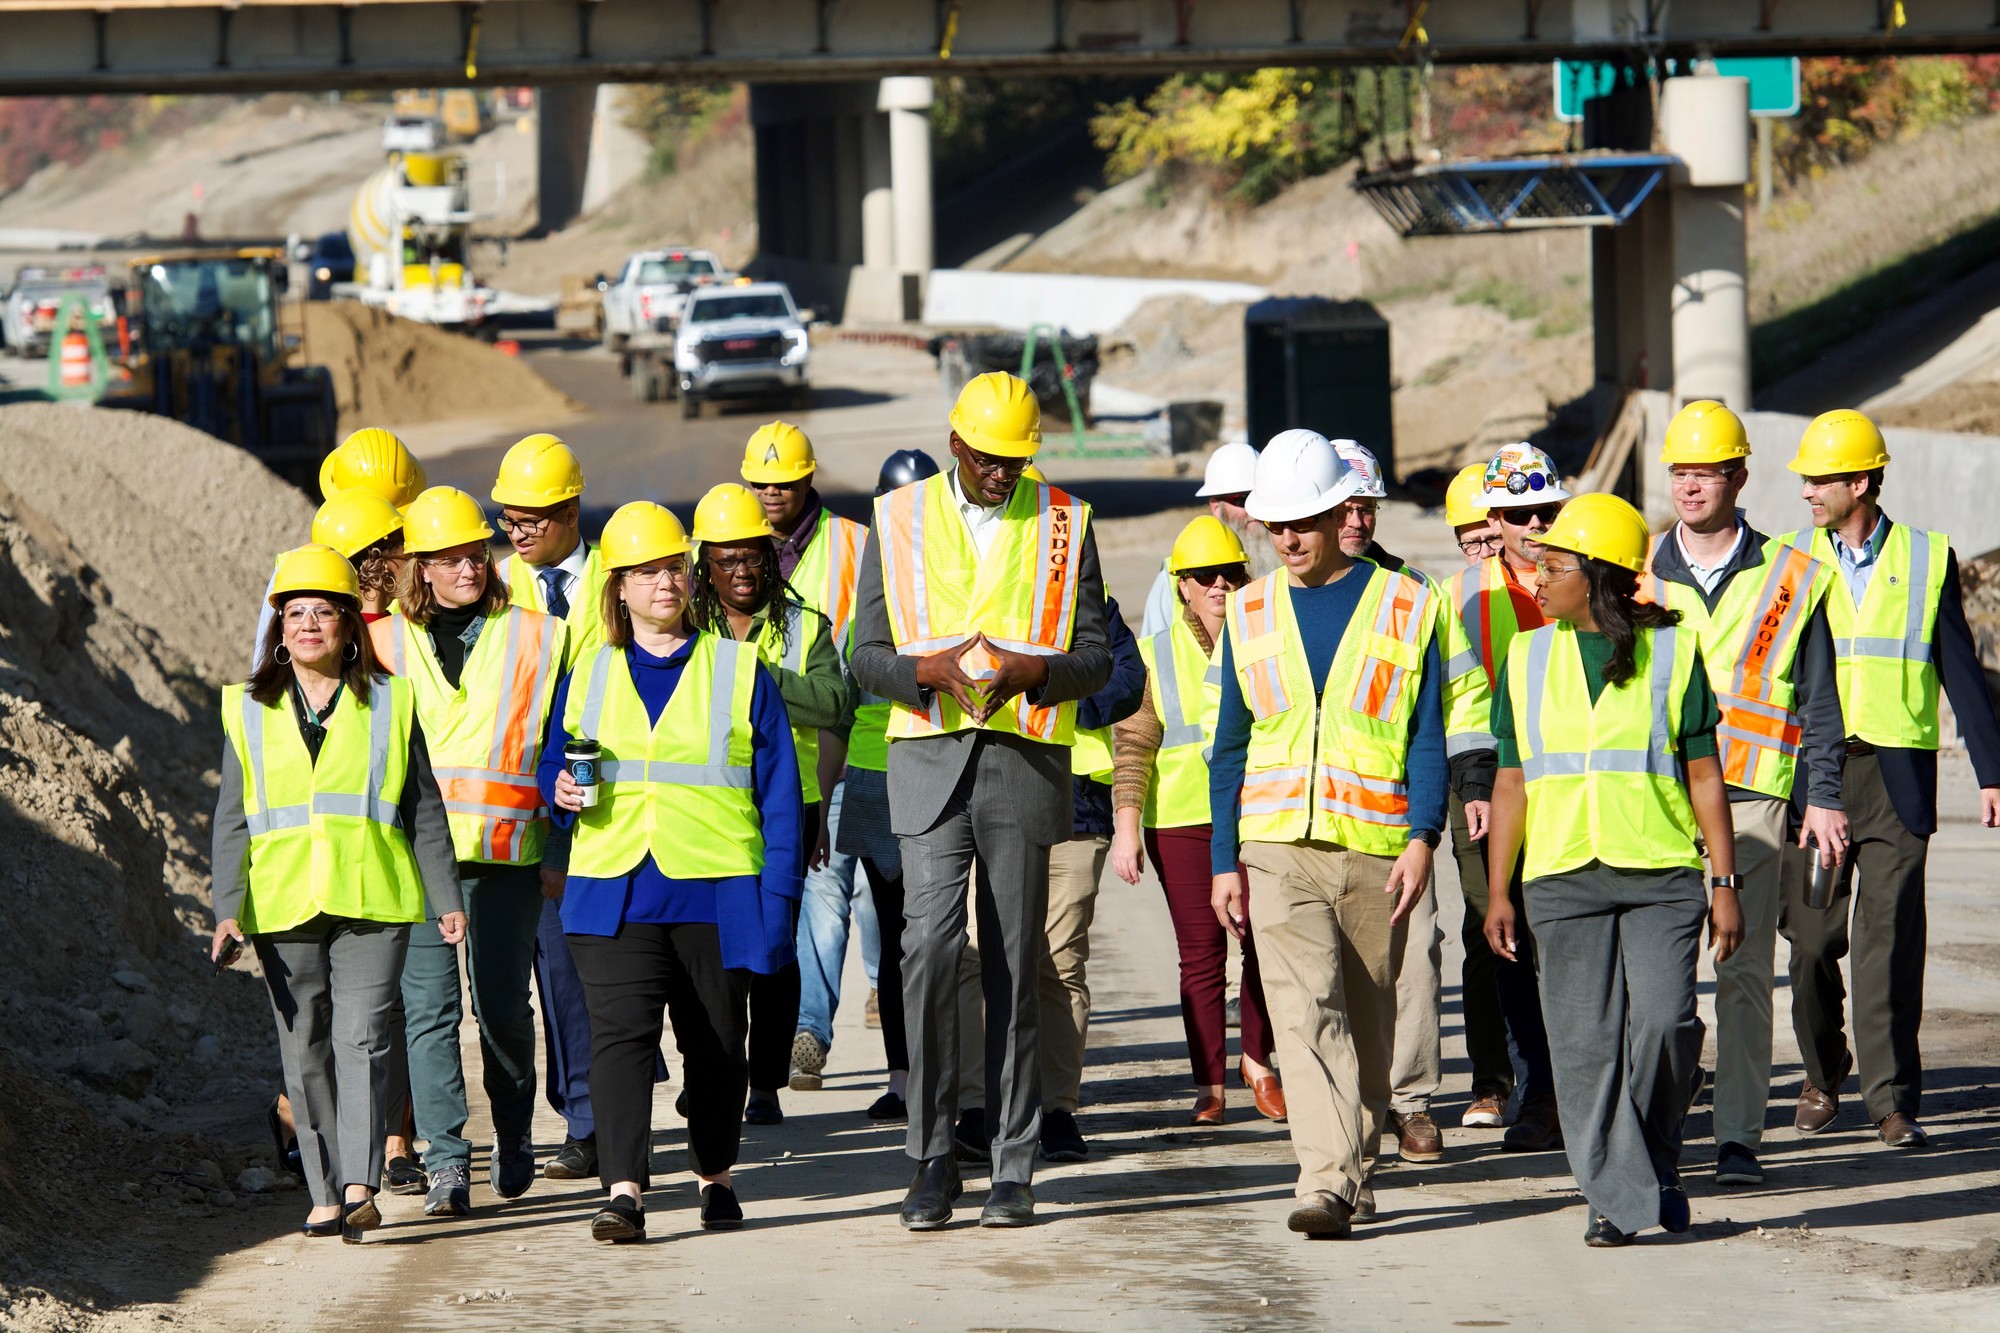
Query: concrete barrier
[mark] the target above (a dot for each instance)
(1078, 302)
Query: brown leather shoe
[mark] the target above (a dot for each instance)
(1488, 1111)
(1900, 1130)
(1537, 1129)
(1418, 1138)
(1322, 1216)
(1818, 1106)
(1207, 1111)
(1267, 1092)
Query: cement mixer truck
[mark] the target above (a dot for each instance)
(410, 227)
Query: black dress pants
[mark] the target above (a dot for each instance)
(774, 1003)
(630, 980)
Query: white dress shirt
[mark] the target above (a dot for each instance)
(982, 521)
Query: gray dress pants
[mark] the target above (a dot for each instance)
(981, 821)
(1618, 953)
(334, 983)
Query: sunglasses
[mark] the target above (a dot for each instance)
(1526, 514)
(1210, 575)
(1295, 525)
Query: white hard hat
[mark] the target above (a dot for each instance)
(1232, 470)
(1519, 476)
(1367, 465)
(1299, 475)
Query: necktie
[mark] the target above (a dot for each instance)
(552, 593)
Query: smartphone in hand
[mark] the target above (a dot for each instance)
(232, 949)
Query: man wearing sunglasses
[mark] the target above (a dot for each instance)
(1494, 599)
(1327, 781)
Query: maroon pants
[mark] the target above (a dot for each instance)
(1180, 856)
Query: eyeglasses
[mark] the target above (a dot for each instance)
(1488, 544)
(530, 527)
(651, 576)
(1551, 573)
(1236, 500)
(1707, 479)
(1295, 525)
(1524, 515)
(450, 563)
(1210, 575)
(1838, 479)
(313, 615)
(996, 467)
(735, 564)
(1360, 508)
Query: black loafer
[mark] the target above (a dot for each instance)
(330, 1227)
(1601, 1235)
(1062, 1141)
(357, 1219)
(1008, 1204)
(936, 1185)
(719, 1209)
(619, 1222)
(1674, 1214)
(577, 1160)
(763, 1111)
(889, 1107)
(405, 1176)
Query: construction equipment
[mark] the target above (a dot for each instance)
(211, 353)
(411, 230)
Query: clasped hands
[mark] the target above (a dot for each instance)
(1015, 673)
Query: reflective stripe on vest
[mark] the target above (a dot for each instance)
(1484, 596)
(1604, 778)
(801, 632)
(1882, 648)
(326, 835)
(584, 625)
(829, 568)
(1468, 696)
(485, 734)
(1177, 673)
(938, 592)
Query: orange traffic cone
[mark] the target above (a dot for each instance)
(75, 360)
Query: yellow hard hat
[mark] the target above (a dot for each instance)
(1840, 441)
(441, 518)
(538, 472)
(639, 532)
(1205, 543)
(1465, 498)
(997, 414)
(354, 520)
(778, 452)
(1602, 527)
(375, 460)
(314, 568)
(1705, 432)
(1035, 474)
(730, 513)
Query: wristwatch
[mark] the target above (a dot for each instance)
(1722, 882)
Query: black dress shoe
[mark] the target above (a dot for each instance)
(889, 1107)
(763, 1111)
(358, 1218)
(719, 1209)
(1009, 1204)
(1062, 1141)
(330, 1227)
(1674, 1214)
(576, 1161)
(971, 1143)
(405, 1176)
(927, 1207)
(620, 1221)
(1601, 1235)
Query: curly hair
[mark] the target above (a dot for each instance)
(708, 613)
(1620, 615)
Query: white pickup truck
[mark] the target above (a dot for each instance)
(650, 291)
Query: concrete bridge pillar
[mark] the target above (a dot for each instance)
(1705, 121)
(564, 114)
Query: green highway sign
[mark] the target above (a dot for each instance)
(1774, 83)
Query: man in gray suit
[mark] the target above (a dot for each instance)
(979, 571)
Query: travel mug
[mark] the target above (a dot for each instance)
(581, 757)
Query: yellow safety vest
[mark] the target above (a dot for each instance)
(1749, 645)
(939, 592)
(829, 569)
(585, 621)
(1604, 780)
(679, 790)
(803, 630)
(1492, 609)
(485, 734)
(1090, 754)
(325, 836)
(1882, 648)
(1330, 766)
(1178, 675)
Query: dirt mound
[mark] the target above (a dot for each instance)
(1971, 406)
(393, 372)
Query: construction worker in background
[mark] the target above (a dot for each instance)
(1075, 868)
(483, 673)
(981, 618)
(1468, 709)
(819, 554)
(1899, 632)
(1225, 481)
(1755, 606)
(1417, 1068)
(1334, 796)
(1598, 716)
(684, 865)
(553, 570)
(1161, 787)
(1522, 493)
(739, 594)
(864, 833)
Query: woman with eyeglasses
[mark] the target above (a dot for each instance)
(1160, 786)
(739, 593)
(1605, 724)
(684, 865)
(483, 672)
(330, 844)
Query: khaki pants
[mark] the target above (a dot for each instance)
(1327, 953)
(1416, 1068)
(1743, 982)
(1075, 867)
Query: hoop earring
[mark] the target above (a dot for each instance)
(621, 610)
(282, 655)
(353, 652)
